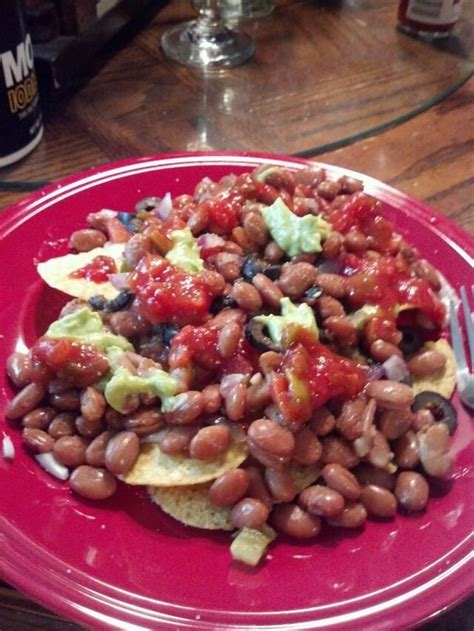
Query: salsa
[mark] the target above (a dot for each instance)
(97, 271)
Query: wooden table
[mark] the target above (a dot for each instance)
(330, 80)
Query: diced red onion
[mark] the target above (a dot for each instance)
(164, 207)
(375, 372)
(396, 368)
(8, 450)
(52, 466)
(209, 241)
(228, 382)
(120, 281)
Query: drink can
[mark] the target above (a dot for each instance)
(430, 19)
(21, 126)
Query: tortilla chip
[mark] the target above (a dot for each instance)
(190, 505)
(443, 382)
(155, 468)
(55, 272)
(304, 475)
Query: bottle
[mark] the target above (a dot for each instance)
(21, 126)
(430, 19)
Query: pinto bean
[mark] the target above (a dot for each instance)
(333, 245)
(257, 487)
(63, 425)
(177, 439)
(228, 265)
(258, 396)
(121, 452)
(273, 253)
(25, 401)
(269, 361)
(246, 296)
(271, 294)
(129, 324)
(394, 423)
(227, 315)
(229, 488)
(412, 491)
(87, 239)
(135, 249)
(272, 438)
(426, 363)
(87, 428)
(95, 484)
(264, 457)
(380, 350)
(328, 189)
(338, 450)
(198, 219)
(68, 401)
(368, 474)
(235, 402)
(354, 515)
(281, 484)
(293, 521)
(406, 451)
(113, 419)
(355, 241)
(92, 404)
(378, 501)
(71, 450)
(342, 329)
(188, 408)
(228, 340)
(95, 452)
(332, 285)
(322, 421)
(422, 419)
(210, 442)
(342, 480)
(434, 453)
(144, 422)
(349, 422)
(380, 454)
(37, 440)
(327, 306)
(296, 278)
(211, 398)
(427, 272)
(249, 513)
(390, 395)
(18, 369)
(308, 449)
(256, 228)
(39, 418)
(322, 501)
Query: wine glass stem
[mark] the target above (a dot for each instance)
(209, 19)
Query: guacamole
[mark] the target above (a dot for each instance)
(185, 252)
(302, 315)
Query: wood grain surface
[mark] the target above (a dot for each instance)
(324, 72)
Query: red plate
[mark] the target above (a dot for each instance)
(122, 562)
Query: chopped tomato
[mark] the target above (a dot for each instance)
(78, 365)
(168, 294)
(97, 271)
(311, 374)
(223, 215)
(387, 282)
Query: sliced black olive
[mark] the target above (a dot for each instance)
(147, 204)
(251, 267)
(121, 301)
(411, 341)
(442, 409)
(272, 271)
(168, 331)
(312, 294)
(255, 335)
(131, 221)
(221, 302)
(98, 303)
(126, 218)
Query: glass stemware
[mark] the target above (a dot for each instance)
(207, 41)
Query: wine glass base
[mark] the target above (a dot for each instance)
(184, 44)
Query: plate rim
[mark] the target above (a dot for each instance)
(20, 212)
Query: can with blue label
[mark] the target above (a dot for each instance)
(21, 126)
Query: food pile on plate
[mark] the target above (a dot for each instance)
(264, 355)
